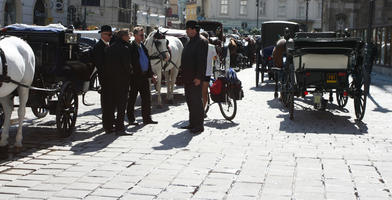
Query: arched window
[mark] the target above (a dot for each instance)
(9, 12)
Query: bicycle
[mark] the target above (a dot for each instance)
(228, 105)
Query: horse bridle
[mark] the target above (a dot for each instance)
(160, 56)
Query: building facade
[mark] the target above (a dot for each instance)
(117, 13)
(242, 14)
(40, 12)
(340, 14)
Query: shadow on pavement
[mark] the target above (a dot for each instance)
(179, 140)
(44, 135)
(220, 124)
(321, 122)
(268, 87)
(308, 120)
(379, 107)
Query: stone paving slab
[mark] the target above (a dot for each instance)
(261, 154)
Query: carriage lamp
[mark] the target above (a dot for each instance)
(71, 38)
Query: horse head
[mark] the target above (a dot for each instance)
(156, 44)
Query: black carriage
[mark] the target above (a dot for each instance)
(322, 63)
(271, 32)
(62, 72)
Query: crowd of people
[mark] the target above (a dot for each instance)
(124, 70)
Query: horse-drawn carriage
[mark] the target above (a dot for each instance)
(319, 63)
(62, 72)
(271, 32)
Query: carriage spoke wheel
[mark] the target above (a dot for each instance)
(228, 108)
(361, 91)
(341, 99)
(39, 112)
(1, 116)
(67, 110)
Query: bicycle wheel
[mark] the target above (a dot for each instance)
(208, 103)
(228, 108)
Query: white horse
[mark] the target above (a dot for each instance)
(157, 45)
(21, 66)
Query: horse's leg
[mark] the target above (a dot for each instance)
(8, 106)
(23, 97)
(158, 87)
(173, 74)
(168, 84)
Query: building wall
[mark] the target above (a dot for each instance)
(25, 11)
(268, 10)
(149, 13)
(340, 14)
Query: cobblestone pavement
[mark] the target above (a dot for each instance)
(260, 155)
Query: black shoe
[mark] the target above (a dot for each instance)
(197, 130)
(150, 122)
(186, 127)
(123, 133)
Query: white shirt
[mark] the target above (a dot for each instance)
(210, 59)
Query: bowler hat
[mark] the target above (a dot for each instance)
(192, 24)
(105, 28)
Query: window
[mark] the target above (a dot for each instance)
(320, 8)
(243, 7)
(262, 7)
(90, 3)
(125, 4)
(125, 11)
(282, 9)
(301, 10)
(224, 7)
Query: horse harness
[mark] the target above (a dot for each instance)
(160, 59)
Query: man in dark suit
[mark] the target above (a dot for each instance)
(118, 72)
(193, 65)
(139, 82)
(98, 56)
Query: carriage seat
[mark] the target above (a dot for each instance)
(321, 62)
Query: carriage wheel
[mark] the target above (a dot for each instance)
(341, 99)
(291, 91)
(67, 110)
(40, 112)
(361, 91)
(94, 82)
(228, 108)
(1, 116)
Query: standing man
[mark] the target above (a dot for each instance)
(193, 65)
(98, 56)
(139, 80)
(118, 70)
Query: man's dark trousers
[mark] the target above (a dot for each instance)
(139, 85)
(115, 98)
(193, 97)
